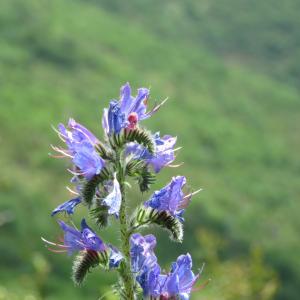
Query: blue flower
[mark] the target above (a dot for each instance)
(143, 261)
(170, 198)
(67, 206)
(115, 257)
(128, 111)
(164, 153)
(74, 134)
(116, 118)
(142, 251)
(90, 239)
(181, 279)
(80, 148)
(114, 198)
(149, 280)
(178, 283)
(75, 240)
(87, 160)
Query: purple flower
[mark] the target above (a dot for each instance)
(115, 117)
(115, 257)
(164, 153)
(171, 198)
(90, 238)
(81, 149)
(88, 160)
(74, 134)
(143, 261)
(67, 206)
(75, 240)
(114, 198)
(142, 251)
(128, 111)
(177, 283)
(180, 281)
(149, 280)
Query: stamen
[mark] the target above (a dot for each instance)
(76, 173)
(203, 285)
(62, 151)
(56, 156)
(192, 194)
(174, 166)
(60, 135)
(54, 244)
(72, 191)
(57, 251)
(156, 107)
(177, 149)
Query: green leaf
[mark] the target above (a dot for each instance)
(145, 216)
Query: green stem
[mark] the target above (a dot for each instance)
(126, 273)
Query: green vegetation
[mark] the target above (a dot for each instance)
(236, 115)
(263, 35)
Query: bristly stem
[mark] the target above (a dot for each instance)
(126, 274)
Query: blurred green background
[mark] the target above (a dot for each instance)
(231, 69)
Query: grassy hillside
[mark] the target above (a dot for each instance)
(238, 128)
(263, 35)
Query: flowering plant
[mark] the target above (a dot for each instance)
(100, 171)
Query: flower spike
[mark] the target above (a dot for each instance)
(100, 172)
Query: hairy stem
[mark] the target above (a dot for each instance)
(126, 274)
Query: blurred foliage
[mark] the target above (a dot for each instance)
(236, 116)
(245, 277)
(260, 34)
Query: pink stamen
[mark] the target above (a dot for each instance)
(57, 251)
(61, 239)
(203, 285)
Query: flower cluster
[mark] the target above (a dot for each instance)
(99, 170)
(155, 284)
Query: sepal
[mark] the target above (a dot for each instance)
(141, 172)
(89, 188)
(104, 151)
(133, 166)
(86, 260)
(100, 215)
(119, 290)
(144, 216)
(145, 178)
(138, 135)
